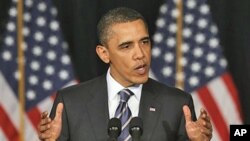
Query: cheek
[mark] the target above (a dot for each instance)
(122, 61)
(121, 58)
(124, 64)
(149, 50)
(148, 54)
(119, 63)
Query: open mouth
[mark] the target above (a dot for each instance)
(141, 69)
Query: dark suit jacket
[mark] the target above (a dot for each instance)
(86, 115)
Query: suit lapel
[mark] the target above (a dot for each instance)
(149, 110)
(99, 115)
(98, 109)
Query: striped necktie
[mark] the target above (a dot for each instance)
(124, 114)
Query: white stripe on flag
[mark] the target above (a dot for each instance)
(225, 102)
(2, 135)
(10, 105)
(197, 103)
(9, 102)
(30, 131)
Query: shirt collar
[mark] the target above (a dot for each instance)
(114, 87)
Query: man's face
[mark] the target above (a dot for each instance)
(129, 52)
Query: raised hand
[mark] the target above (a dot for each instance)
(49, 130)
(200, 130)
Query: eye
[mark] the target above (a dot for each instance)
(125, 46)
(145, 42)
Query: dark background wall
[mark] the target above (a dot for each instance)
(78, 20)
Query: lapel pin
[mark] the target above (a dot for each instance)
(152, 109)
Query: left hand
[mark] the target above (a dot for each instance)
(200, 130)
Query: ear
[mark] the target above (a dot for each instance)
(103, 53)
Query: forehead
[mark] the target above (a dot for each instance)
(134, 29)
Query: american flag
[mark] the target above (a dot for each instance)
(47, 68)
(205, 72)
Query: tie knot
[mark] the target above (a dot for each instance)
(125, 95)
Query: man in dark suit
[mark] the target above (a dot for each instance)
(82, 112)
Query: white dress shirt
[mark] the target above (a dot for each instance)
(113, 98)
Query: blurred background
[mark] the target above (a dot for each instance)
(78, 19)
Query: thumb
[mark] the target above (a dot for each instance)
(187, 114)
(59, 110)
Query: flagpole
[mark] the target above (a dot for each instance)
(21, 69)
(179, 67)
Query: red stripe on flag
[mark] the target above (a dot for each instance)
(34, 116)
(233, 91)
(214, 112)
(7, 126)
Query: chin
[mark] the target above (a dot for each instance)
(142, 80)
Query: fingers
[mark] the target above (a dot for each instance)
(204, 119)
(44, 135)
(206, 131)
(44, 123)
(50, 129)
(43, 128)
(44, 114)
(59, 110)
(205, 122)
(203, 114)
(187, 113)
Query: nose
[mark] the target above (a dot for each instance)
(139, 52)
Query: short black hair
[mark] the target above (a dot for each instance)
(114, 16)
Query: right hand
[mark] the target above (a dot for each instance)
(199, 130)
(49, 130)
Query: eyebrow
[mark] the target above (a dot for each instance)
(129, 42)
(145, 38)
(125, 43)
